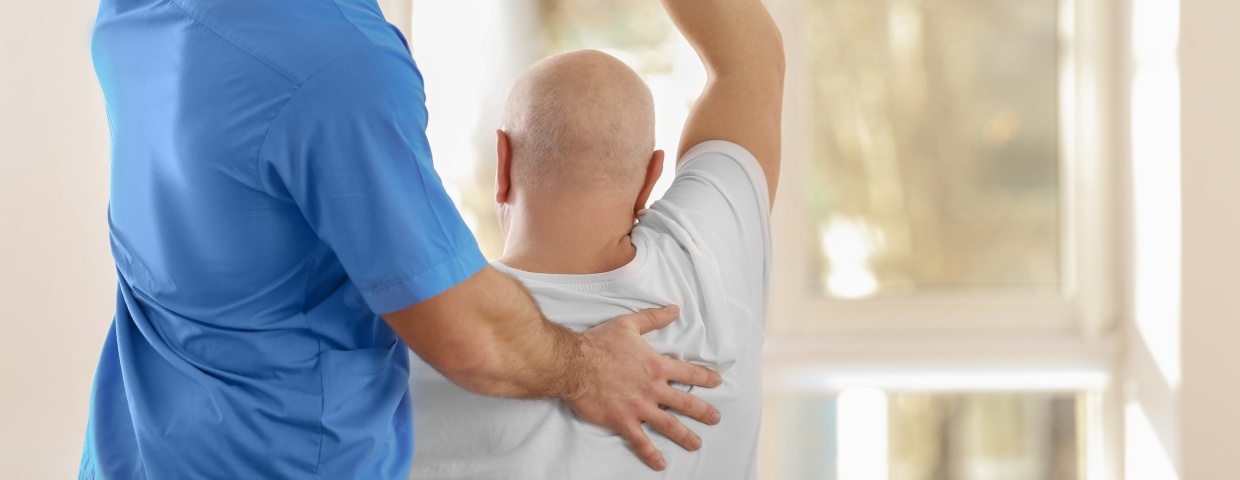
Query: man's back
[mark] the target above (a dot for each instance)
(705, 246)
(251, 141)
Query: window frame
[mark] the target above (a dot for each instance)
(1082, 305)
(964, 341)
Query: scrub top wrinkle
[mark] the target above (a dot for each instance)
(272, 194)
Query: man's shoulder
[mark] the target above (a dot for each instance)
(722, 155)
(717, 215)
(718, 184)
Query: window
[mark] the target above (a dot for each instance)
(942, 157)
(931, 144)
(926, 436)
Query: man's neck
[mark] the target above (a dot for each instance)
(568, 237)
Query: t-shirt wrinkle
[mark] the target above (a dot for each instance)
(262, 145)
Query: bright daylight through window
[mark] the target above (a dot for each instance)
(932, 145)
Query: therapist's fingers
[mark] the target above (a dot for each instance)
(688, 404)
(652, 319)
(644, 447)
(669, 425)
(690, 374)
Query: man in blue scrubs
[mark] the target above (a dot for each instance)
(280, 236)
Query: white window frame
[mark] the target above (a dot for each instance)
(982, 340)
(1083, 303)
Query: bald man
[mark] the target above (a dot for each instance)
(576, 165)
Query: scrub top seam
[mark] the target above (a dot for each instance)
(258, 171)
(258, 158)
(262, 145)
(318, 347)
(456, 246)
(355, 27)
(244, 50)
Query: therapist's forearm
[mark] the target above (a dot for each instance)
(488, 336)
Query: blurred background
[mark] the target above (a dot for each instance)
(1004, 240)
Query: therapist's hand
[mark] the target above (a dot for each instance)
(626, 381)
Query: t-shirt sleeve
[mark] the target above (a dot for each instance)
(349, 149)
(718, 208)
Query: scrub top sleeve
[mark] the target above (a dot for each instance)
(349, 149)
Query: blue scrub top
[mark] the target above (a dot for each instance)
(272, 193)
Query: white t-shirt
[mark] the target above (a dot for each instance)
(705, 246)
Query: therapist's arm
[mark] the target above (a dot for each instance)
(487, 335)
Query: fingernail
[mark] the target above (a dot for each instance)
(715, 418)
(697, 443)
(660, 465)
(672, 310)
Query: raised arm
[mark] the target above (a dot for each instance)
(744, 57)
(487, 335)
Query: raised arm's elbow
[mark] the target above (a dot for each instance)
(763, 54)
(778, 57)
(774, 55)
(777, 65)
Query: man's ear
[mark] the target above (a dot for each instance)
(653, 170)
(503, 166)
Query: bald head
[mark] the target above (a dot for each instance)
(581, 121)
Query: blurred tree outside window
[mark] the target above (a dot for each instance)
(932, 145)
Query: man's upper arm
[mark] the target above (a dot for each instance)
(743, 99)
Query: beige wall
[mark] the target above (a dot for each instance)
(1209, 407)
(57, 282)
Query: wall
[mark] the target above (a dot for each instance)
(57, 282)
(1210, 69)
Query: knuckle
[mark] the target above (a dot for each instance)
(689, 404)
(650, 390)
(664, 421)
(658, 367)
